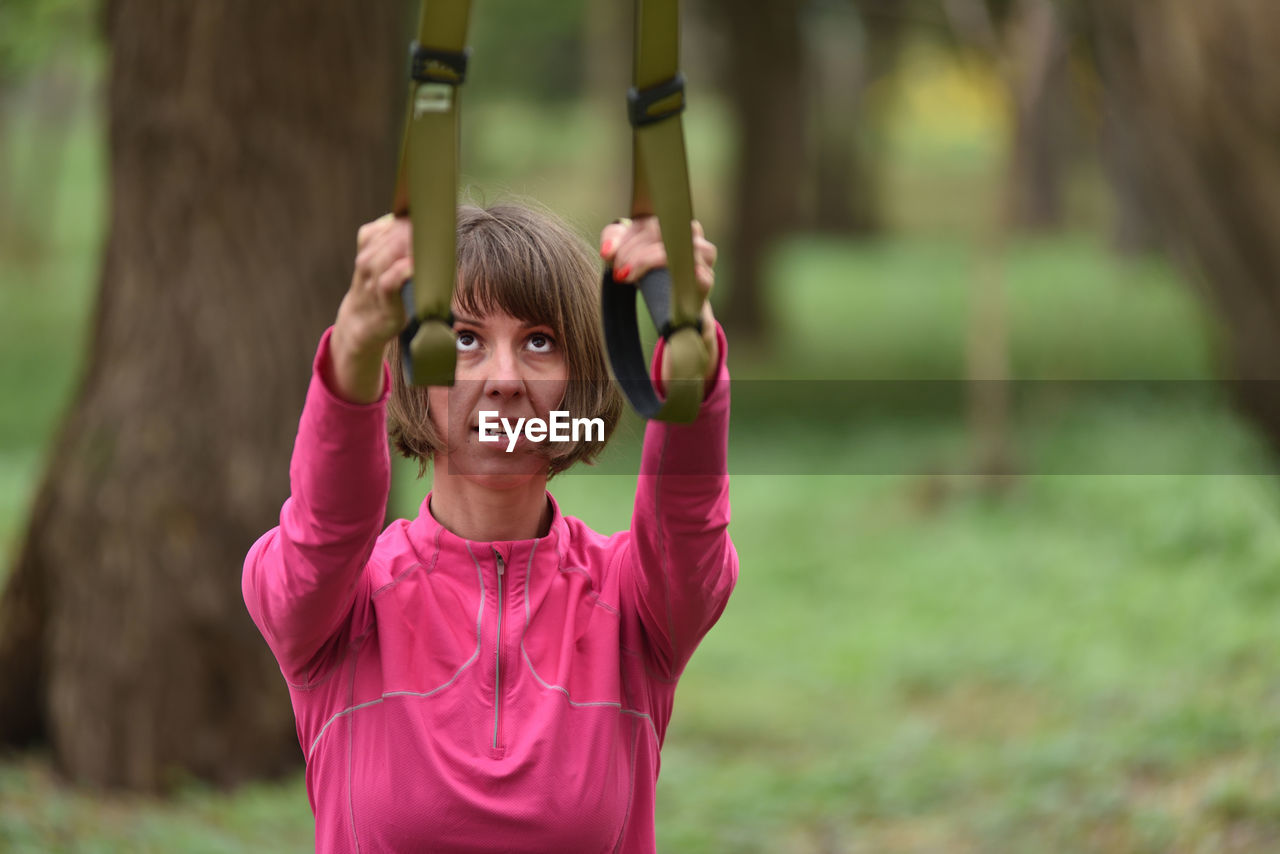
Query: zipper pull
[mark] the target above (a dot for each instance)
(501, 564)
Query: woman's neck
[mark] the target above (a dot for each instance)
(475, 511)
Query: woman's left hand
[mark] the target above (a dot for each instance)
(634, 248)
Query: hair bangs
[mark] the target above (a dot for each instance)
(503, 270)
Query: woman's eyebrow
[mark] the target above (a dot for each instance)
(469, 321)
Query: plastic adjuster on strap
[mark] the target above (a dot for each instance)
(429, 353)
(428, 349)
(430, 65)
(646, 106)
(668, 329)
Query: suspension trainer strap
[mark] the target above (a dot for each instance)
(427, 189)
(660, 185)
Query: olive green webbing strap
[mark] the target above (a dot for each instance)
(660, 185)
(427, 189)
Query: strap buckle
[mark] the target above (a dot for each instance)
(432, 65)
(669, 328)
(646, 106)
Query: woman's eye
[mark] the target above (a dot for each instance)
(540, 343)
(467, 341)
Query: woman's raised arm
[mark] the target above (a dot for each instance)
(301, 578)
(682, 564)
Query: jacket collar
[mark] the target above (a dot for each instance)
(432, 541)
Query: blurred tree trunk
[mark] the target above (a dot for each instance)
(1198, 87)
(851, 45)
(9, 234)
(988, 365)
(607, 66)
(765, 87)
(247, 142)
(1037, 48)
(1026, 40)
(1133, 230)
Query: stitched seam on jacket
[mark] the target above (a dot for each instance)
(435, 557)
(354, 643)
(351, 735)
(589, 703)
(313, 684)
(337, 666)
(645, 655)
(631, 788)
(606, 606)
(595, 593)
(662, 552)
(454, 678)
(581, 571)
(524, 653)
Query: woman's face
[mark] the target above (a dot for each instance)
(508, 366)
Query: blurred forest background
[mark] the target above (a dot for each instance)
(1046, 627)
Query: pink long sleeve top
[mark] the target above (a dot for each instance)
(457, 696)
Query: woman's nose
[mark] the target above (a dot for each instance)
(502, 378)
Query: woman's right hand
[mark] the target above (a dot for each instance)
(372, 312)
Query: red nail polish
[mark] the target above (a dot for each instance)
(620, 274)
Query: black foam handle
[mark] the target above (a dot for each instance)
(406, 299)
(655, 287)
(622, 334)
(410, 329)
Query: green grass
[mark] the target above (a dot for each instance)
(1080, 665)
(38, 814)
(898, 309)
(988, 665)
(47, 275)
(910, 662)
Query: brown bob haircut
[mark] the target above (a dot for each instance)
(526, 263)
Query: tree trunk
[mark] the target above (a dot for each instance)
(987, 360)
(1196, 86)
(247, 141)
(1133, 230)
(766, 93)
(851, 48)
(1039, 88)
(1027, 41)
(607, 69)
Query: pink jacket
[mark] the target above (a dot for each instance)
(461, 696)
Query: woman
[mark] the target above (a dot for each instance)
(492, 675)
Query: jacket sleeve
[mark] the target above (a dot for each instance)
(681, 561)
(301, 578)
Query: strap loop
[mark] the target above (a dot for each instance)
(686, 352)
(659, 187)
(427, 188)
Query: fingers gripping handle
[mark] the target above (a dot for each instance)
(428, 349)
(686, 351)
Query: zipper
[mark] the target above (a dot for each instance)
(497, 668)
